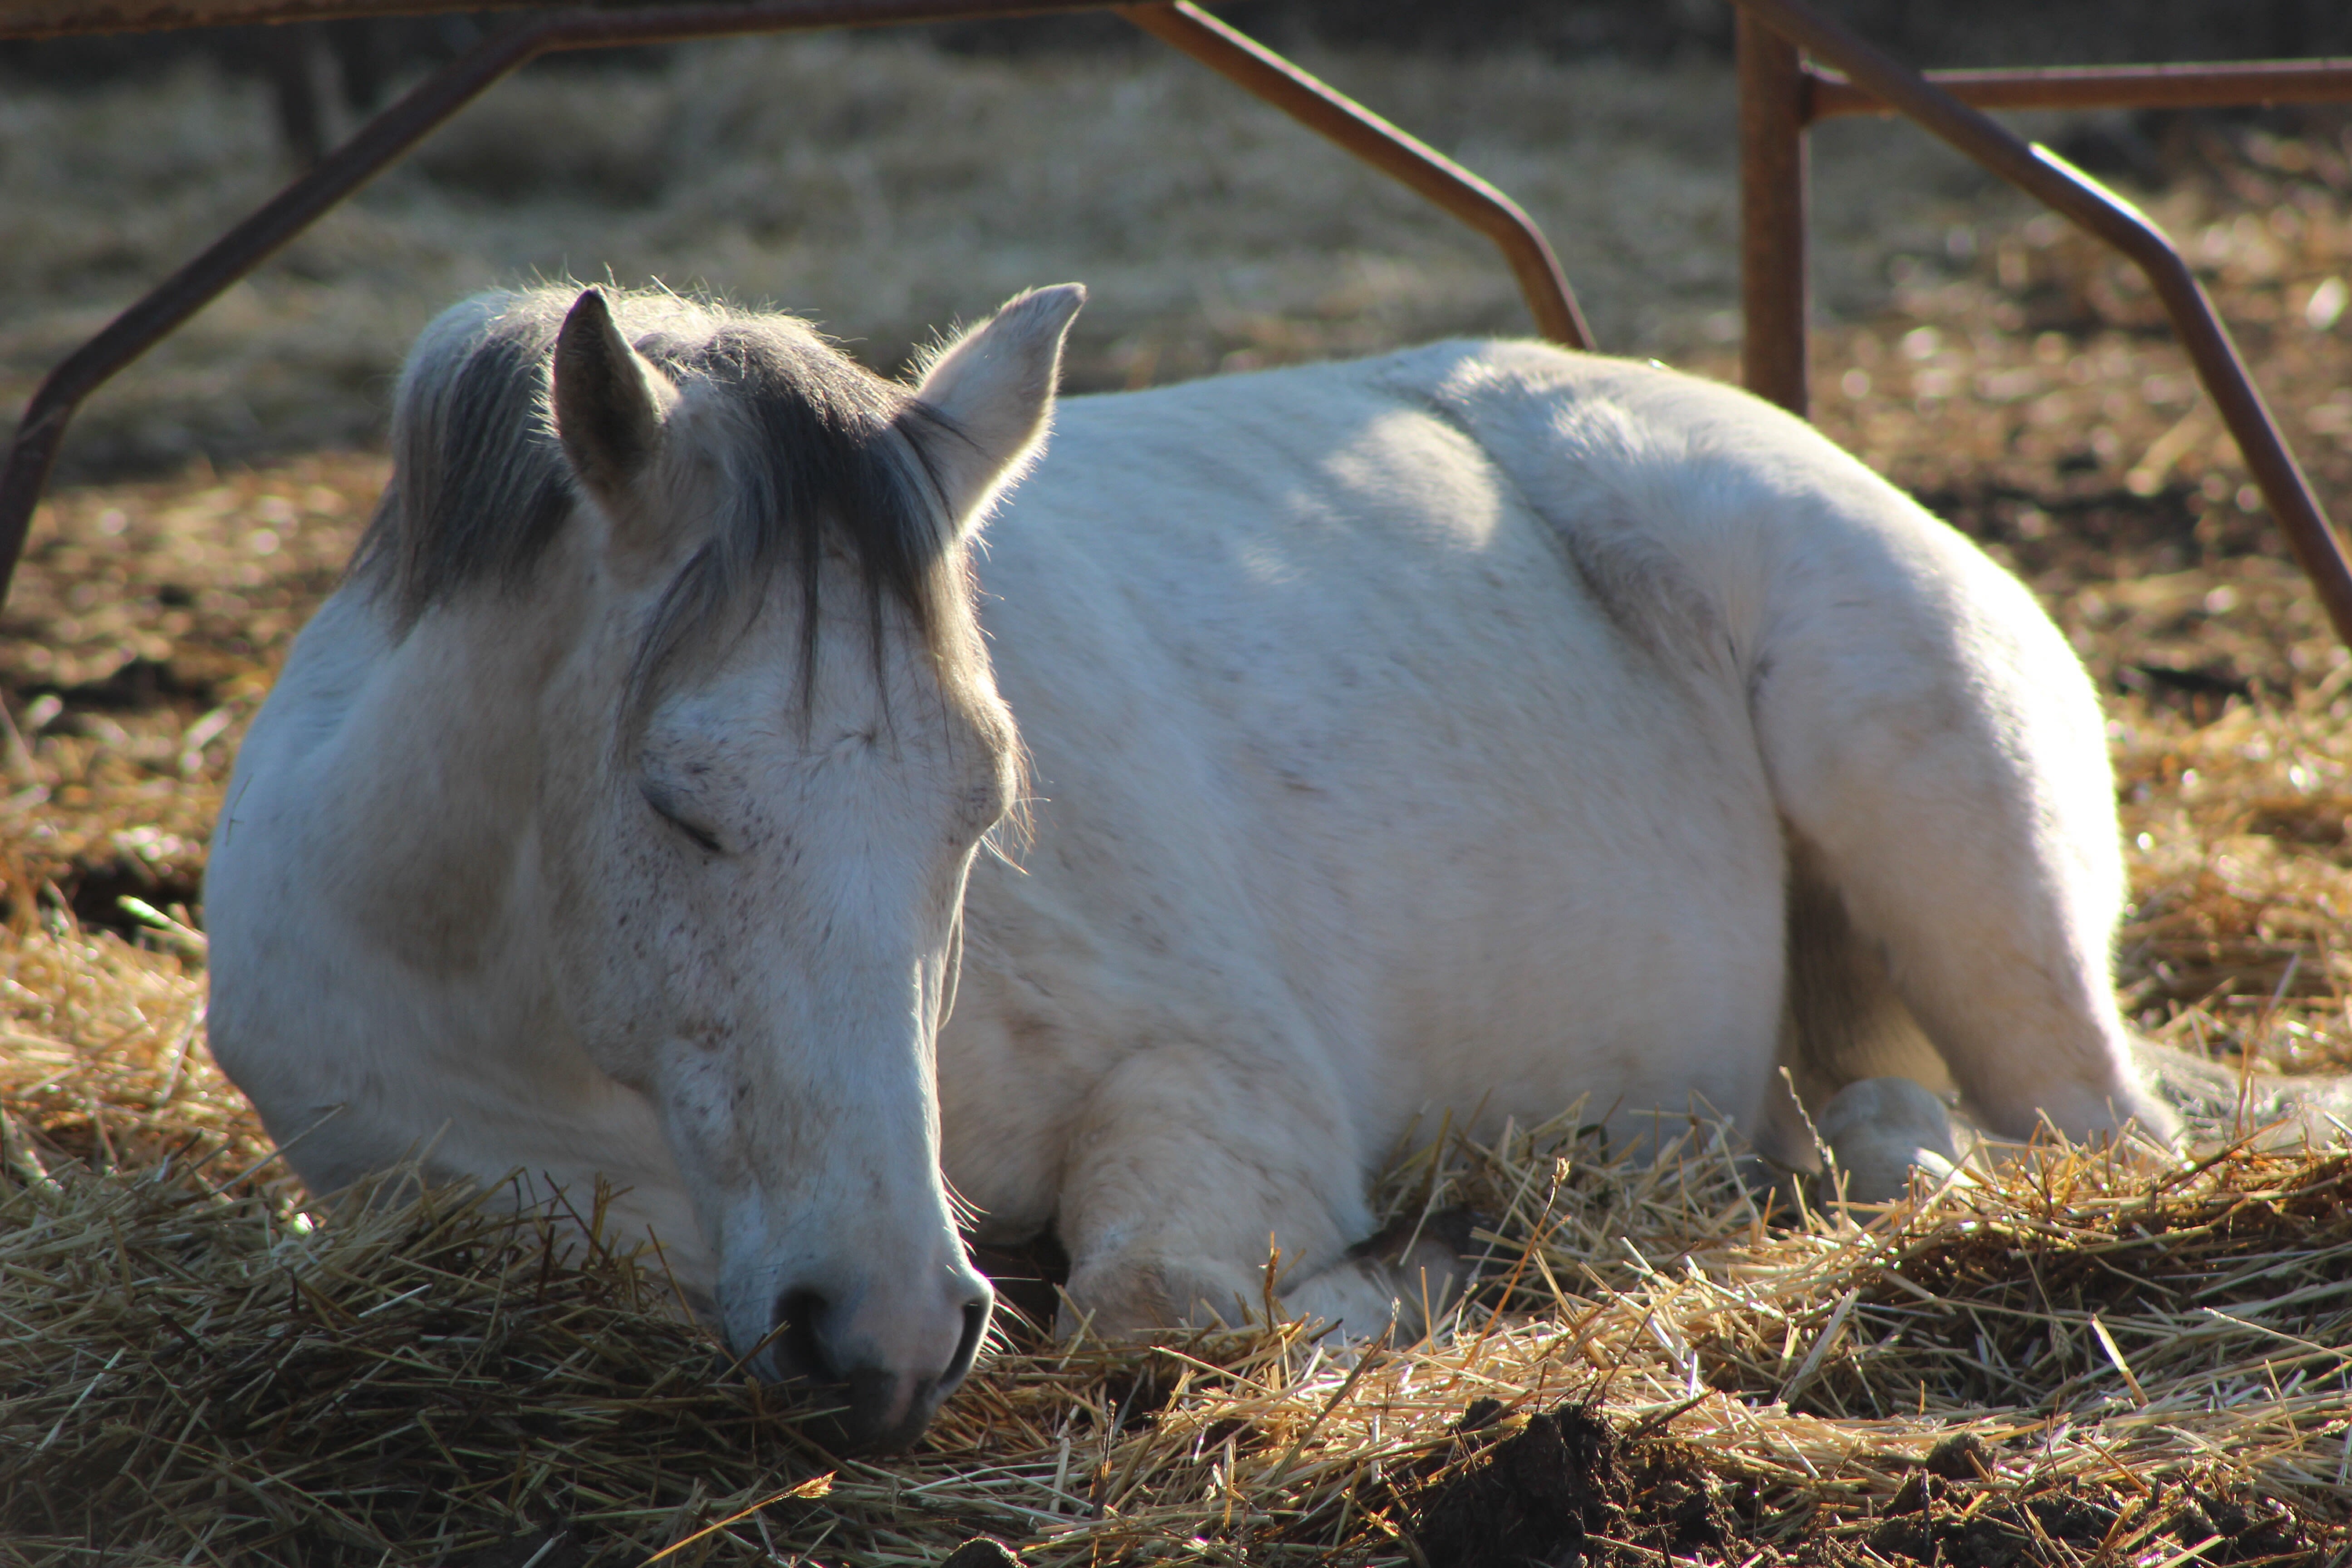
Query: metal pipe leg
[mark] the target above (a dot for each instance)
(1773, 284)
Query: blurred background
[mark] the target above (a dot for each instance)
(891, 184)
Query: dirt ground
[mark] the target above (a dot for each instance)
(1997, 367)
(1570, 1488)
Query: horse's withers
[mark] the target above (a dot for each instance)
(671, 848)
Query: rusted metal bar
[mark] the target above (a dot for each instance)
(2218, 86)
(33, 450)
(2044, 174)
(1774, 296)
(1388, 149)
(61, 18)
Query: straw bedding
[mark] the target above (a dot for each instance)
(2147, 1360)
(2100, 1358)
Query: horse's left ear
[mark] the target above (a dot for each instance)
(991, 394)
(610, 400)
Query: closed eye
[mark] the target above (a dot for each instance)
(666, 808)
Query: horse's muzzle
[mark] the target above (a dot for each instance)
(859, 1402)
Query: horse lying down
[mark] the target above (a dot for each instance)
(715, 778)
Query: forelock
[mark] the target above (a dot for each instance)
(811, 449)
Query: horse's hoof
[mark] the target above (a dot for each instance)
(1447, 1234)
(1880, 1130)
(1426, 1263)
(1437, 1269)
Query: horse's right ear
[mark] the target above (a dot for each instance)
(993, 391)
(610, 400)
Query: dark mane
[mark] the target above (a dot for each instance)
(815, 451)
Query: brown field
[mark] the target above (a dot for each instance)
(2102, 1361)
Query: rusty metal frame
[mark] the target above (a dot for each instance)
(1828, 95)
(32, 452)
(1779, 97)
(73, 18)
(1773, 277)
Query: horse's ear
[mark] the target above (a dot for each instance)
(610, 400)
(991, 393)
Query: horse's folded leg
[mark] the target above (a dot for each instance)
(1431, 1261)
(1406, 1277)
(1410, 1274)
(1131, 1294)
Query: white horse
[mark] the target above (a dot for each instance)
(1474, 731)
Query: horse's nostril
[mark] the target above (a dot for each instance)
(975, 1324)
(800, 1336)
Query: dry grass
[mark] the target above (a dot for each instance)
(198, 1370)
(2103, 1360)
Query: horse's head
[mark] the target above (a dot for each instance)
(769, 760)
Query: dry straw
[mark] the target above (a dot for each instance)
(192, 1369)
